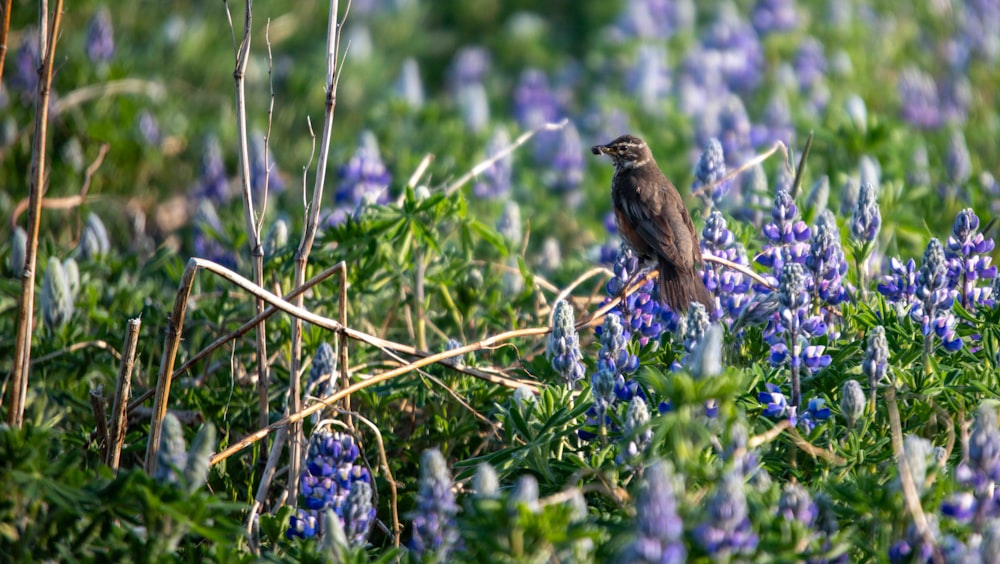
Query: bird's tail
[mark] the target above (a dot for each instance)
(679, 288)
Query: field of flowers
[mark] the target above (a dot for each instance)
(362, 299)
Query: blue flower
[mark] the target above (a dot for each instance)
(727, 530)
(100, 37)
(494, 182)
(434, 529)
(710, 170)
(968, 259)
(659, 529)
(563, 348)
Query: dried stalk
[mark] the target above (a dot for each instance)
(4, 33)
(242, 55)
(332, 78)
(238, 332)
(119, 408)
(26, 303)
(176, 323)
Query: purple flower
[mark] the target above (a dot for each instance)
(730, 287)
(470, 65)
(787, 235)
(563, 348)
(263, 168)
(567, 162)
(726, 530)
(810, 63)
(534, 102)
(644, 316)
(659, 530)
(934, 299)
(774, 16)
(957, 162)
(900, 285)
(796, 504)
(649, 80)
(434, 529)
(968, 259)
(867, 218)
(815, 412)
(734, 50)
(100, 37)
(711, 170)
(826, 261)
(364, 179)
(876, 362)
(213, 184)
(776, 404)
(919, 98)
(331, 471)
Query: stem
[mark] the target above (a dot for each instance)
(26, 304)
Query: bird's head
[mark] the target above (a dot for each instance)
(627, 151)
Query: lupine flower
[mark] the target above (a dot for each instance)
(918, 173)
(534, 102)
(814, 413)
(149, 128)
(321, 373)
(705, 359)
(733, 130)
(19, 245)
(857, 112)
(659, 530)
(852, 401)
(277, 237)
(409, 88)
(984, 442)
(727, 530)
(932, 309)
(485, 483)
(434, 516)
(614, 355)
(176, 465)
(969, 261)
(171, 458)
(208, 231)
(733, 50)
(867, 218)
(524, 494)
(900, 285)
(359, 514)
(774, 16)
(649, 80)
(509, 224)
(471, 64)
(567, 162)
(695, 326)
(494, 182)
(364, 180)
(730, 287)
(213, 184)
(649, 19)
(809, 63)
(94, 242)
(263, 168)
(331, 469)
(776, 404)
(917, 451)
(645, 315)
(913, 548)
(636, 434)
(919, 99)
(990, 546)
(550, 257)
(818, 197)
(474, 105)
(957, 162)
(796, 504)
(27, 59)
(100, 36)
(788, 334)
(56, 297)
(870, 171)
(826, 262)
(563, 347)
(786, 233)
(602, 387)
(711, 169)
(875, 365)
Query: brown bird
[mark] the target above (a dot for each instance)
(653, 221)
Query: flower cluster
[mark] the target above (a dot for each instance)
(726, 531)
(826, 262)
(711, 169)
(563, 348)
(934, 298)
(969, 261)
(731, 288)
(787, 235)
(494, 182)
(328, 482)
(364, 180)
(434, 528)
(659, 530)
(642, 314)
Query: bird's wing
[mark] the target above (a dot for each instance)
(663, 223)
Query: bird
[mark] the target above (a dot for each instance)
(653, 221)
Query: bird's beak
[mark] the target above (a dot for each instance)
(599, 149)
